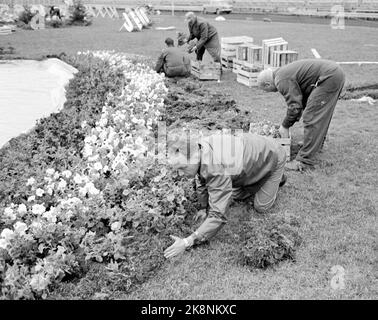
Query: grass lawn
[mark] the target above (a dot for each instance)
(336, 204)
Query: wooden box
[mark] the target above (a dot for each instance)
(227, 61)
(242, 52)
(248, 77)
(269, 46)
(229, 48)
(284, 57)
(237, 65)
(206, 71)
(254, 56)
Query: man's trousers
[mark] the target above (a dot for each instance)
(318, 114)
(213, 47)
(265, 191)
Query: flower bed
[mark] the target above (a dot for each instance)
(89, 191)
(87, 203)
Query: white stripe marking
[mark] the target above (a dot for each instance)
(315, 53)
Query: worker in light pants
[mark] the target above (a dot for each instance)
(310, 87)
(227, 167)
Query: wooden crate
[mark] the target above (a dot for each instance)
(269, 46)
(254, 56)
(206, 71)
(237, 65)
(231, 43)
(229, 48)
(242, 52)
(247, 77)
(284, 57)
(227, 62)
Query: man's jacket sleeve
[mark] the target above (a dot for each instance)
(204, 31)
(191, 35)
(202, 194)
(219, 190)
(293, 97)
(160, 63)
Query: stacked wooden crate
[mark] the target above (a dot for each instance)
(281, 58)
(276, 53)
(229, 46)
(250, 60)
(206, 71)
(269, 46)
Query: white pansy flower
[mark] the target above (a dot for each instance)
(38, 209)
(50, 171)
(97, 166)
(78, 179)
(62, 184)
(39, 192)
(67, 174)
(83, 191)
(39, 282)
(93, 158)
(22, 209)
(7, 234)
(9, 213)
(30, 181)
(3, 244)
(20, 227)
(36, 225)
(31, 198)
(50, 216)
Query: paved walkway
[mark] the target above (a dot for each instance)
(30, 90)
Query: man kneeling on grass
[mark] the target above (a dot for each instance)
(226, 167)
(173, 61)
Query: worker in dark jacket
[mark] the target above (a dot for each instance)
(226, 167)
(206, 35)
(311, 87)
(173, 61)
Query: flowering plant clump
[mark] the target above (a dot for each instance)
(119, 191)
(265, 128)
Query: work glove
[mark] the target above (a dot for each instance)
(176, 248)
(284, 132)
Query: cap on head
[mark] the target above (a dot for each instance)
(169, 42)
(265, 77)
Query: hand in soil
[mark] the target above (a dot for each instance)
(176, 248)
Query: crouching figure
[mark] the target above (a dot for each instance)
(226, 167)
(173, 61)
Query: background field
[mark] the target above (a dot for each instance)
(336, 204)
